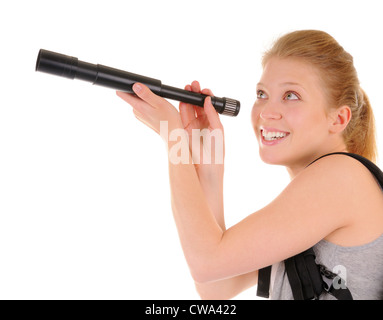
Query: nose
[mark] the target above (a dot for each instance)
(270, 112)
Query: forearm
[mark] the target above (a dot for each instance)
(227, 288)
(212, 187)
(198, 229)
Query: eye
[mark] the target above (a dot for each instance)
(261, 94)
(291, 96)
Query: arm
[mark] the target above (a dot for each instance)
(194, 218)
(210, 173)
(210, 179)
(210, 176)
(227, 288)
(308, 210)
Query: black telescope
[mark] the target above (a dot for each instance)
(72, 68)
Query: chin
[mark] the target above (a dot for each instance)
(275, 158)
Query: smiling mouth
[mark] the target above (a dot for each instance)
(269, 136)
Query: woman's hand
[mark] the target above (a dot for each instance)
(208, 154)
(150, 108)
(203, 126)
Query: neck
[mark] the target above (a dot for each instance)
(298, 167)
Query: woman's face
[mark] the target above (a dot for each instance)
(289, 116)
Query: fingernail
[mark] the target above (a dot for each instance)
(137, 87)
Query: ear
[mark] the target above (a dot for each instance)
(339, 119)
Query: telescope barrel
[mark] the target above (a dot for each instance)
(70, 67)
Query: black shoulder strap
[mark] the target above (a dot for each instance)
(372, 167)
(340, 293)
(263, 286)
(304, 276)
(308, 280)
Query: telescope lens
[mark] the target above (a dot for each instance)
(56, 64)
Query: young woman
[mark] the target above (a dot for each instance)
(309, 104)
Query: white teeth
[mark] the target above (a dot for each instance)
(273, 135)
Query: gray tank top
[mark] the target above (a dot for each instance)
(360, 266)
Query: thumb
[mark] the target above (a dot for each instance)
(143, 92)
(212, 114)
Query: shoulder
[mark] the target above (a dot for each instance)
(339, 170)
(347, 193)
(333, 189)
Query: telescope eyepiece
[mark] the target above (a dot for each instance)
(231, 107)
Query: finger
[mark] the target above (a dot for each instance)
(124, 95)
(195, 86)
(143, 92)
(200, 112)
(208, 92)
(190, 106)
(137, 103)
(212, 114)
(188, 87)
(187, 112)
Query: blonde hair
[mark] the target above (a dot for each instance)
(340, 79)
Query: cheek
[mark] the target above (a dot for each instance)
(306, 124)
(297, 121)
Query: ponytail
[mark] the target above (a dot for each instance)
(360, 134)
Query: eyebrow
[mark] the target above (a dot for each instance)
(285, 84)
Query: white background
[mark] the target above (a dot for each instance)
(84, 195)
